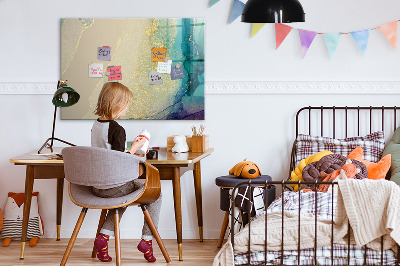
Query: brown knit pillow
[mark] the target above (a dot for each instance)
(327, 165)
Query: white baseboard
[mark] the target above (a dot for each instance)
(248, 87)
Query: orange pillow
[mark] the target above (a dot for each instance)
(375, 170)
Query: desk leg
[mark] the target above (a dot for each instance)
(27, 206)
(60, 190)
(176, 182)
(199, 204)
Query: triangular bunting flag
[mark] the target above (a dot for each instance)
(255, 28)
(306, 39)
(281, 31)
(237, 9)
(213, 2)
(389, 30)
(332, 41)
(361, 38)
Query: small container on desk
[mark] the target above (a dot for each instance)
(152, 154)
(200, 143)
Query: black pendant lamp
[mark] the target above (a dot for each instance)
(272, 11)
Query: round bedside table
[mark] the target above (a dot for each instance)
(228, 182)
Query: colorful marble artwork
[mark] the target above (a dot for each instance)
(178, 97)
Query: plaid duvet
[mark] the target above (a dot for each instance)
(324, 257)
(306, 202)
(322, 207)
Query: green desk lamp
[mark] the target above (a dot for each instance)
(64, 96)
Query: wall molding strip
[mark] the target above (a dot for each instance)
(248, 87)
(303, 87)
(28, 88)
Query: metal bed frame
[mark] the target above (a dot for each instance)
(283, 184)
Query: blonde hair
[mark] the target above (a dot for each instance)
(113, 98)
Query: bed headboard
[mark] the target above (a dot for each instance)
(347, 116)
(344, 121)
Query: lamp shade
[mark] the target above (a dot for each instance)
(273, 11)
(65, 96)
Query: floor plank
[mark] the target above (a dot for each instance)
(50, 252)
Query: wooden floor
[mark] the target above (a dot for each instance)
(50, 252)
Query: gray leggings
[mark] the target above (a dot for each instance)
(154, 208)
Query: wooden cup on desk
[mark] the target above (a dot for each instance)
(200, 143)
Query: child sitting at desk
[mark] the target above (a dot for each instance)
(106, 133)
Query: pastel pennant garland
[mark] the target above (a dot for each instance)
(256, 27)
(306, 39)
(389, 30)
(213, 2)
(281, 31)
(332, 41)
(361, 38)
(237, 9)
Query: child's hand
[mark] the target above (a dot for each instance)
(137, 144)
(142, 155)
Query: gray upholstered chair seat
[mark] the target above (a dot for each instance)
(83, 195)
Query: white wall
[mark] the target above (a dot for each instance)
(258, 126)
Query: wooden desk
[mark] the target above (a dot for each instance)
(40, 167)
(169, 165)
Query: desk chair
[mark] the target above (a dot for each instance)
(85, 167)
